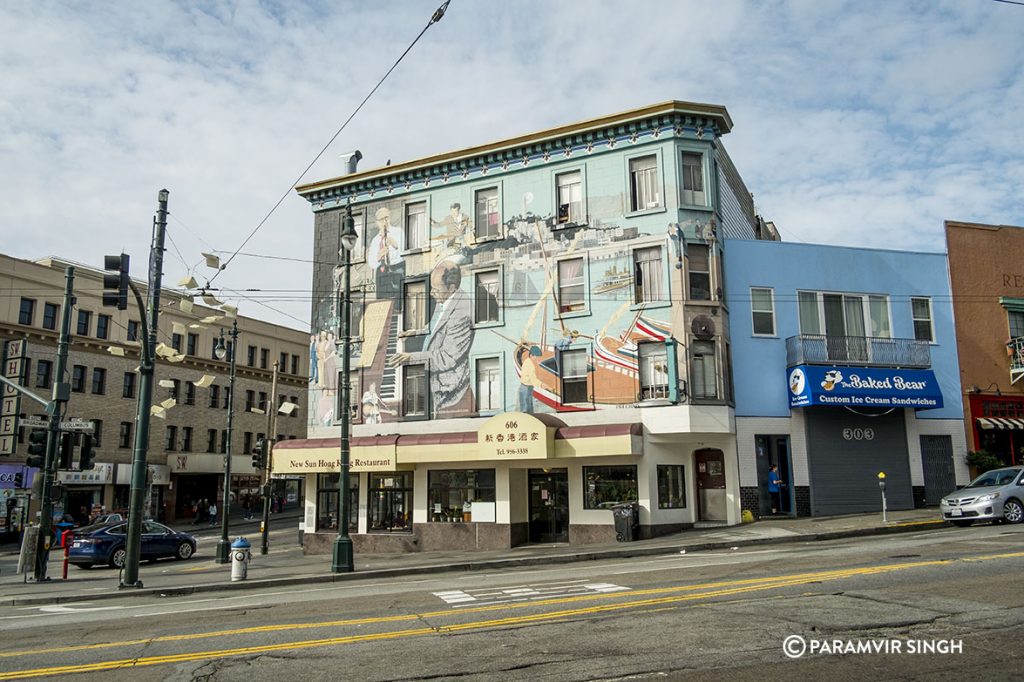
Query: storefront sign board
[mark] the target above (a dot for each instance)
(863, 387)
(515, 435)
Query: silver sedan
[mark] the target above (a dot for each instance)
(993, 496)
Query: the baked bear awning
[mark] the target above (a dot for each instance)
(863, 387)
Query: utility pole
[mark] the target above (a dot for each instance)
(61, 394)
(133, 543)
(267, 467)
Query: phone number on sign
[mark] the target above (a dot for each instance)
(513, 451)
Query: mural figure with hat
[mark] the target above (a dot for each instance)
(525, 355)
(384, 256)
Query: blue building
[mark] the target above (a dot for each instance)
(845, 366)
(562, 290)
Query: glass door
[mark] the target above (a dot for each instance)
(549, 505)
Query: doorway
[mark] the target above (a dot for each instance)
(937, 467)
(711, 500)
(774, 450)
(549, 505)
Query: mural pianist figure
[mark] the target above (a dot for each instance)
(449, 339)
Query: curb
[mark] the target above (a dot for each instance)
(624, 553)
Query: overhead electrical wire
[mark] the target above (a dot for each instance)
(434, 18)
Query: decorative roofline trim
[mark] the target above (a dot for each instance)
(681, 119)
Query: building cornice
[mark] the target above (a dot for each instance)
(669, 119)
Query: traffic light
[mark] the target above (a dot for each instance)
(115, 282)
(259, 455)
(36, 448)
(85, 460)
(67, 455)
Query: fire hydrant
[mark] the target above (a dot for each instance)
(240, 556)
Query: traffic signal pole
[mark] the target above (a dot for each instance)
(133, 543)
(61, 394)
(271, 429)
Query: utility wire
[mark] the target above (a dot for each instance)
(434, 18)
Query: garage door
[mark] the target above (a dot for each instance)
(845, 452)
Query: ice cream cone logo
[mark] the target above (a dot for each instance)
(796, 381)
(832, 377)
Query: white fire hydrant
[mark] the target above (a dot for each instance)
(240, 556)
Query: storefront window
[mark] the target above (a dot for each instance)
(327, 502)
(604, 487)
(671, 486)
(451, 495)
(390, 502)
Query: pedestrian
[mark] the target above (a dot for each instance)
(246, 514)
(213, 512)
(775, 488)
(195, 512)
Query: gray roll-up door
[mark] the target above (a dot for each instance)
(845, 452)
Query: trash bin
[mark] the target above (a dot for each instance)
(240, 555)
(627, 521)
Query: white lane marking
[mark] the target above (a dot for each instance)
(518, 593)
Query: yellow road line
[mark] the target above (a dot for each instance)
(418, 632)
(673, 596)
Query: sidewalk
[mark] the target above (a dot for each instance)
(286, 565)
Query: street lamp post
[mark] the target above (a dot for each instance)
(223, 546)
(342, 560)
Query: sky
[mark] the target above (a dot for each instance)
(861, 123)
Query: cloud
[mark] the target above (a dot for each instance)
(856, 123)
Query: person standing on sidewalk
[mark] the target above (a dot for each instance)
(774, 488)
(213, 513)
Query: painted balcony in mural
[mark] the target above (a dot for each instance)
(570, 270)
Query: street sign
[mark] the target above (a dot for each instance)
(77, 425)
(34, 422)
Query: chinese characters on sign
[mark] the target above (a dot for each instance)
(514, 434)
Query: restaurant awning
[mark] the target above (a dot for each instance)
(1000, 423)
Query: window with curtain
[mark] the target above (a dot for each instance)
(644, 187)
(569, 187)
(699, 272)
(488, 385)
(703, 375)
(570, 286)
(488, 223)
(1016, 322)
(810, 320)
(416, 225)
(414, 310)
(648, 275)
(693, 179)
(414, 391)
(573, 367)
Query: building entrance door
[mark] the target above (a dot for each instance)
(549, 505)
(937, 466)
(711, 500)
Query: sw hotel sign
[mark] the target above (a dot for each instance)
(863, 387)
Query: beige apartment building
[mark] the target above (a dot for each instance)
(188, 438)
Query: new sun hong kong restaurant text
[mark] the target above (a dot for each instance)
(518, 478)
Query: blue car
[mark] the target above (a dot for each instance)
(104, 543)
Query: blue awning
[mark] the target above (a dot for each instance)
(863, 387)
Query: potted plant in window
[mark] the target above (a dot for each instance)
(467, 511)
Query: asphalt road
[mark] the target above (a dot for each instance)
(957, 594)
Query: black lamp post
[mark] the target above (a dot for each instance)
(223, 546)
(342, 560)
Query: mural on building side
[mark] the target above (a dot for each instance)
(487, 314)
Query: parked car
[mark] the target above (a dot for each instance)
(995, 495)
(104, 543)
